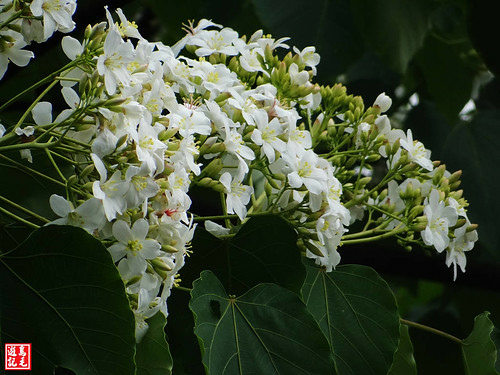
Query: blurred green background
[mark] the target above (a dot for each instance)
(432, 57)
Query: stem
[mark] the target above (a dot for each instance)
(183, 289)
(224, 209)
(35, 102)
(20, 219)
(40, 83)
(14, 17)
(228, 216)
(393, 232)
(55, 166)
(30, 170)
(435, 331)
(21, 208)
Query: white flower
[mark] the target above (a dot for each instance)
(11, 50)
(384, 102)
(266, 135)
(212, 41)
(439, 219)
(296, 77)
(238, 195)
(89, 215)
(111, 192)
(113, 63)
(56, 15)
(308, 57)
(133, 244)
(305, 172)
(463, 242)
(142, 186)
(417, 151)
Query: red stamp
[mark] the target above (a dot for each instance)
(18, 356)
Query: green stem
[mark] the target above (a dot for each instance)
(35, 102)
(21, 208)
(40, 83)
(228, 216)
(20, 219)
(14, 17)
(393, 232)
(49, 155)
(431, 330)
(183, 289)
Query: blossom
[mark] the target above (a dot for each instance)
(11, 50)
(463, 242)
(305, 172)
(416, 151)
(56, 15)
(266, 135)
(237, 194)
(89, 215)
(133, 244)
(439, 219)
(112, 64)
(110, 192)
(308, 57)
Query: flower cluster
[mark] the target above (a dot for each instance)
(145, 123)
(22, 22)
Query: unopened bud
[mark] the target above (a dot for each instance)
(133, 280)
(313, 249)
(169, 249)
(455, 176)
(71, 180)
(121, 140)
(87, 170)
(471, 228)
(159, 264)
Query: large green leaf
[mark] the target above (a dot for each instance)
(264, 250)
(265, 331)
(153, 355)
(404, 362)
(61, 292)
(356, 311)
(478, 348)
(395, 29)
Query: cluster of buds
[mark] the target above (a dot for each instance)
(146, 123)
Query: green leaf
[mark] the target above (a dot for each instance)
(264, 250)
(265, 331)
(356, 311)
(404, 362)
(61, 292)
(395, 29)
(478, 349)
(153, 355)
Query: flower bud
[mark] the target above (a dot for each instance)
(87, 170)
(169, 249)
(313, 249)
(133, 280)
(471, 228)
(71, 180)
